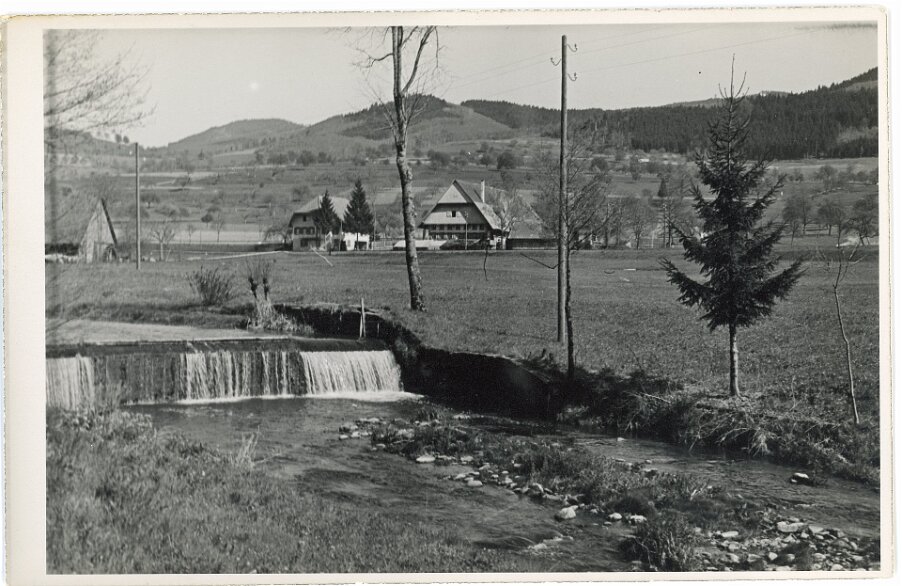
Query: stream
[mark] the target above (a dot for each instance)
(297, 440)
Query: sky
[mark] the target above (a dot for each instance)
(200, 78)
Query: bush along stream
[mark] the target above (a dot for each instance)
(674, 521)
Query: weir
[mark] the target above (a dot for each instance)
(167, 372)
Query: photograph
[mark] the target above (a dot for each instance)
(479, 296)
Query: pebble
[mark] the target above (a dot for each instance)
(615, 517)
(837, 568)
(730, 558)
(342, 436)
(355, 435)
(730, 534)
(426, 459)
(771, 556)
(535, 489)
(818, 557)
(466, 459)
(637, 519)
(620, 439)
(461, 476)
(566, 513)
(473, 483)
(787, 527)
(800, 478)
(380, 446)
(815, 529)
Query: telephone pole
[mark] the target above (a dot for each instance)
(137, 209)
(564, 323)
(563, 204)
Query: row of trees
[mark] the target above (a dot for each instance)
(358, 217)
(839, 217)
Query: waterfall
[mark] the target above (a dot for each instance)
(70, 382)
(148, 376)
(334, 372)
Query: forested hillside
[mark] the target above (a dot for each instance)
(835, 121)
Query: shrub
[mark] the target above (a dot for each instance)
(214, 285)
(665, 543)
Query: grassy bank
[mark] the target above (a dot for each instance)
(122, 498)
(649, 361)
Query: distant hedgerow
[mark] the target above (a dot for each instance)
(214, 285)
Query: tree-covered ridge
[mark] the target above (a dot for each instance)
(835, 121)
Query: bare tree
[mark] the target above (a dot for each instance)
(507, 202)
(639, 218)
(582, 213)
(218, 224)
(841, 264)
(85, 93)
(163, 233)
(407, 94)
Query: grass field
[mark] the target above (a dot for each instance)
(626, 319)
(626, 314)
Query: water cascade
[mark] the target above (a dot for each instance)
(147, 376)
(361, 371)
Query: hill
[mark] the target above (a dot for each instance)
(437, 122)
(235, 136)
(835, 121)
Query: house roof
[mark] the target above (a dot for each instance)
(470, 193)
(340, 204)
(66, 217)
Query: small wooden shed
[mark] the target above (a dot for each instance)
(78, 225)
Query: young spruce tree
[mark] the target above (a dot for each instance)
(735, 249)
(327, 220)
(358, 217)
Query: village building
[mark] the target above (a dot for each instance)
(305, 233)
(461, 213)
(77, 226)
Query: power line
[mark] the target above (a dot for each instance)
(655, 59)
(545, 54)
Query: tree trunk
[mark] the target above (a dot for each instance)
(734, 363)
(408, 213)
(842, 330)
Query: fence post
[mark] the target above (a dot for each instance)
(362, 320)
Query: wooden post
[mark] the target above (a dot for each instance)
(362, 320)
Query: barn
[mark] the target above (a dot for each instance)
(77, 226)
(462, 213)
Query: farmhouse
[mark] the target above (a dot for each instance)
(462, 213)
(306, 233)
(77, 225)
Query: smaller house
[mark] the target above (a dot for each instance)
(462, 213)
(303, 226)
(78, 225)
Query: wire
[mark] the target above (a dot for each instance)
(655, 59)
(545, 54)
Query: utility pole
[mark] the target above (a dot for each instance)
(563, 245)
(137, 209)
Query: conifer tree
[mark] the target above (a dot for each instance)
(327, 220)
(358, 217)
(735, 250)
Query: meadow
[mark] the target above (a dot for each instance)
(627, 319)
